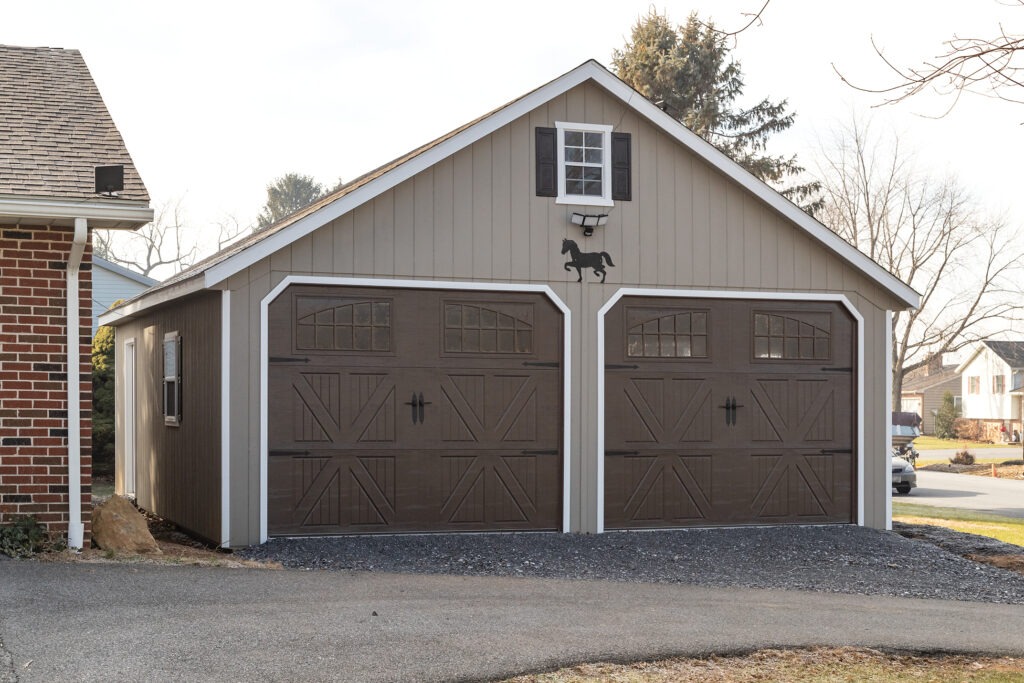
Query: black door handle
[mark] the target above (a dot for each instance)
(415, 404)
(730, 410)
(420, 403)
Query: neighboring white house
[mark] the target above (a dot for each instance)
(991, 379)
(111, 282)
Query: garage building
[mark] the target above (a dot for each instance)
(571, 314)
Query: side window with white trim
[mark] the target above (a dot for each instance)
(172, 379)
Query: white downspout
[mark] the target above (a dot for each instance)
(76, 528)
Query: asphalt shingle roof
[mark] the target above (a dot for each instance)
(1010, 351)
(55, 128)
(922, 382)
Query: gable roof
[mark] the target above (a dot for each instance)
(1010, 352)
(55, 127)
(54, 130)
(104, 264)
(923, 382)
(241, 255)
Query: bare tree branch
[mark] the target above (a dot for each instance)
(993, 67)
(931, 235)
(755, 18)
(164, 247)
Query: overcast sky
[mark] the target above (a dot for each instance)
(216, 99)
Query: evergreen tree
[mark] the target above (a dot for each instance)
(945, 418)
(103, 400)
(286, 195)
(688, 73)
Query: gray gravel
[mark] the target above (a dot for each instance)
(7, 674)
(835, 559)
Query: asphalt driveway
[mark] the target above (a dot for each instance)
(81, 622)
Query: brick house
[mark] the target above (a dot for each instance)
(54, 130)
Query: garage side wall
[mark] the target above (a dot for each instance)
(177, 472)
(475, 217)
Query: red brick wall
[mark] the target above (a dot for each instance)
(33, 376)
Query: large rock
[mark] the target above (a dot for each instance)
(118, 526)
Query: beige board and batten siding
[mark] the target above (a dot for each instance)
(474, 217)
(177, 468)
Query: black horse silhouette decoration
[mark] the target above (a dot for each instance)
(580, 260)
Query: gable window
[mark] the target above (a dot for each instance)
(999, 384)
(172, 379)
(974, 385)
(584, 163)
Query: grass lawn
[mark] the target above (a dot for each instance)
(1006, 529)
(929, 443)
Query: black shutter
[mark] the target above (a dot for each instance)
(547, 163)
(622, 174)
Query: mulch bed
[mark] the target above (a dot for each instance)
(1008, 469)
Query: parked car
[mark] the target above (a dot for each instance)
(904, 477)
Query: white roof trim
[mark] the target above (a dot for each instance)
(100, 213)
(590, 70)
(982, 345)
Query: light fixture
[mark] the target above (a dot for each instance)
(589, 221)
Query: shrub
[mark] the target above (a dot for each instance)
(962, 458)
(23, 537)
(945, 418)
(103, 401)
(969, 430)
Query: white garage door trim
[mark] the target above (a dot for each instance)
(727, 294)
(413, 284)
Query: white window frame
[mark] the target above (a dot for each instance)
(606, 164)
(171, 377)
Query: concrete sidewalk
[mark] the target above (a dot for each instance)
(82, 622)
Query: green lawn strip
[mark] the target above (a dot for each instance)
(930, 443)
(1006, 529)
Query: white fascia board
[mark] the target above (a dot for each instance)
(590, 70)
(101, 214)
(741, 176)
(960, 369)
(133, 308)
(302, 227)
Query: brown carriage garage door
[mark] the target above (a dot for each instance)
(723, 412)
(413, 410)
